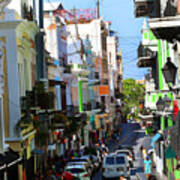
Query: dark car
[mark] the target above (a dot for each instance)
(129, 147)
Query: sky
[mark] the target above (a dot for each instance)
(121, 15)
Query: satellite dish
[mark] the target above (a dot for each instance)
(3, 4)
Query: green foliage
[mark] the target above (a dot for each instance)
(61, 118)
(133, 93)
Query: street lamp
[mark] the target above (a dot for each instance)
(167, 101)
(169, 71)
(160, 104)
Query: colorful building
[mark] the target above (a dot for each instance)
(163, 25)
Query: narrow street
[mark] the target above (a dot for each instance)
(89, 89)
(132, 134)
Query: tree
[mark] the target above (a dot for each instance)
(133, 94)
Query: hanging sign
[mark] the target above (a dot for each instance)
(103, 90)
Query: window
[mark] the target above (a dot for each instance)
(110, 160)
(120, 160)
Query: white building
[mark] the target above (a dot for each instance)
(20, 5)
(112, 44)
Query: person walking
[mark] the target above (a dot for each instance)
(147, 167)
(141, 149)
(144, 153)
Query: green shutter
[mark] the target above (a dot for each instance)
(160, 65)
(153, 98)
(80, 96)
(145, 35)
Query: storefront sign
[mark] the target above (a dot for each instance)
(103, 90)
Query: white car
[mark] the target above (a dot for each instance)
(115, 166)
(79, 171)
(81, 161)
(128, 153)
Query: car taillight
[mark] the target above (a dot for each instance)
(85, 175)
(103, 169)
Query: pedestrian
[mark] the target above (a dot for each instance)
(141, 149)
(147, 166)
(144, 153)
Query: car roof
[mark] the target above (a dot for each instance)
(111, 154)
(126, 146)
(122, 155)
(74, 163)
(123, 150)
(75, 166)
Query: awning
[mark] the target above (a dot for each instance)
(170, 154)
(9, 158)
(12, 158)
(92, 120)
(2, 162)
(154, 139)
(146, 117)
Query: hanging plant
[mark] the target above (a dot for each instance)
(61, 118)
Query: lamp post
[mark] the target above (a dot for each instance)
(169, 71)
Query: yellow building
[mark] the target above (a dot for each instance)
(19, 62)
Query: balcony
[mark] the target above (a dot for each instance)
(44, 100)
(167, 28)
(146, 57)
(145, 8)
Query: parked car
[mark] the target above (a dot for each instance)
(128, 153)
(79, 171)
(81, 161)
(115, 166)
(129, 147)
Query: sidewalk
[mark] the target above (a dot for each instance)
(145, 141)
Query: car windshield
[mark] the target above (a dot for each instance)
(120, 160)
(76, 170)
(110, 160)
